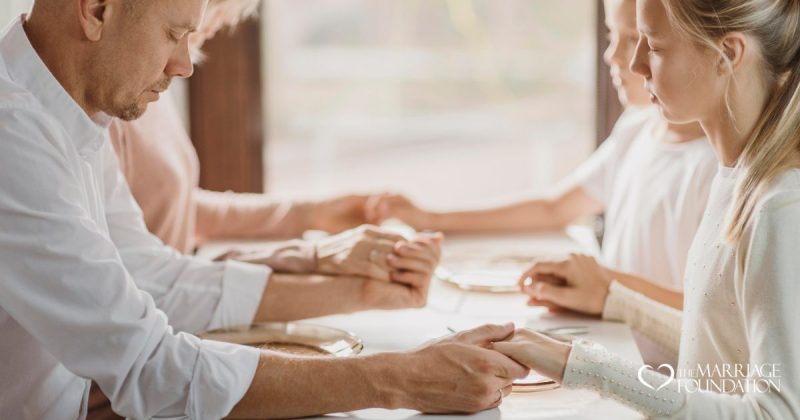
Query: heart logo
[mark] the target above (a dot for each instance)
(667, 382)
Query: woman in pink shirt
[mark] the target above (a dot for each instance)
(161, 166)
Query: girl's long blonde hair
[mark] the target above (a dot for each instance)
(775, 139)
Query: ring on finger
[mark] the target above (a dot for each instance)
(374, 256)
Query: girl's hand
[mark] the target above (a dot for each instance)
(536, 351)
(575, 283)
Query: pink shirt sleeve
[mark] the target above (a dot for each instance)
(161, 167)
(240, 215)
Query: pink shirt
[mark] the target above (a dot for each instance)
(161, 166)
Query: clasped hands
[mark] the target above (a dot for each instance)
(396, 271)
(576, 283)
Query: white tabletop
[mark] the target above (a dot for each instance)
(450, 307)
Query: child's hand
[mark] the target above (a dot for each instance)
(576, 283)
(536, 351)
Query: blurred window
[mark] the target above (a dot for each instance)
(449, 101)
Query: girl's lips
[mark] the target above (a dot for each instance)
(653, 97)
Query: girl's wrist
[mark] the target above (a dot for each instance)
(553, 356)
(562, 353)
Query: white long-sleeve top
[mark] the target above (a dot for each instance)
(739, 312)
(661, 324)
(73, 247)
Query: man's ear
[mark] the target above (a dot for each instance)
(733, 46)
(93, 15)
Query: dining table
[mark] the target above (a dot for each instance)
(452, 307)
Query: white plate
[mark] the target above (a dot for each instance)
(534, 383)
(494, 281)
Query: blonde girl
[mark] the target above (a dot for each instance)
(734, 67)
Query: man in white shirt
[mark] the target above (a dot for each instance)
(72, 241)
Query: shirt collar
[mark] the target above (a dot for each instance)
(26, 69)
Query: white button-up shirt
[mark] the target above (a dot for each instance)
(85, 290)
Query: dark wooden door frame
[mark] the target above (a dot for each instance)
(225, 111)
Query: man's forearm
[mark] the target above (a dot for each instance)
(286, 386)
(289, 297)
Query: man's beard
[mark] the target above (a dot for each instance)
(130, 112)
(134, 109)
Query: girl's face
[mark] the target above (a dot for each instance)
(622, 33)
(682, 78)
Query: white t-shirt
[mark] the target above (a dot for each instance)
(654, 194)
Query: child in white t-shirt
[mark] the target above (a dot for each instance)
(651, 179)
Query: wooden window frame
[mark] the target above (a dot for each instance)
(226, 111)
(226, 107)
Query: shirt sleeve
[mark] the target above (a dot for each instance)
(598, 173)
(240, 215)
(64, 282)
(768, 292)
(196, 294)
(657, 321)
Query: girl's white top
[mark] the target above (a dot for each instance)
(740, 340)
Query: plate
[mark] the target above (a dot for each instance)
(493, 281)
(291, 337)
(534, 383)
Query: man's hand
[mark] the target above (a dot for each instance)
(413, 263)
(575, 283)
(456, 374)
(387, 206)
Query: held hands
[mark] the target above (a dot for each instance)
(413, 264)
(536, 351)
(387, 206)
(576, 283)
(368, 251)
(458, 373)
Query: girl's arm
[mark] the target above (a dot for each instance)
(670, 297)
(528, 215)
